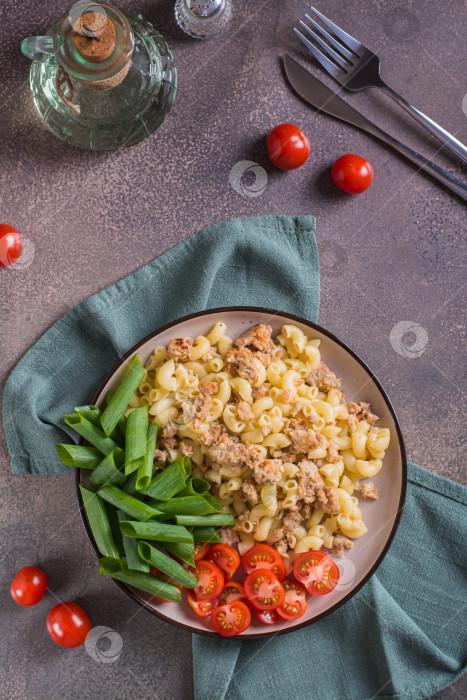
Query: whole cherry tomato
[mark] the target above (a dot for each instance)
(68, 625)
(28, 586)
(10, 245)
(287, 146)
(352, 173)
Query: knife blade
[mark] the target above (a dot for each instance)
(326, 100)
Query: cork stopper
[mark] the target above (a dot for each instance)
(93, 35)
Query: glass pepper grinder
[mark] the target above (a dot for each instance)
(100, 79)
(203, 18)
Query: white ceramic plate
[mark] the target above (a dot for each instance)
(381, 517)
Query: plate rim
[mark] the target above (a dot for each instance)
(273, 312)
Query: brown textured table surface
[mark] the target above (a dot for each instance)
(393, 254)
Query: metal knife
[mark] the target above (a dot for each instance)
(325, 100)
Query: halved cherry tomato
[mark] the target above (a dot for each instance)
(28, 586)
(10, 245)
(231, 619)
(164, 577)
(200, 550)
(352, 173)
(287, 146)
(318, 573)
(262, 556)
(68, 625)
(294, 604)
(232, 591)
(203, 608)
(226, 558)
(269, 617)
(263, 589)
(210, 580)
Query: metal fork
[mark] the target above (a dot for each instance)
(355, 67)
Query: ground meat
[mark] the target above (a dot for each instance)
(179, 348)
(305, 511)
(282, 547)
(328, 500)
(352, 421)
(333, 452)
(340, 544)
(228, 536)
(258, 336)
(268, 471)
(244, 411)
(291, 540)
(259, 391)
(168, 443)
(185, 449)
(250, 492)
(369, 490)
(209, 355)
(212, 435)
(277, 534)
(296, 408)
(284, 456)
(291, 520)
(161, 455)
(303, 438)
(323, 378)
(247, 365)
(209, 388)
(362, 411)
(309, 481)
(198, 408)
(229, 451)
(169, 430)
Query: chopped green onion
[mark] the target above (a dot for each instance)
(133, 466)
(136, 438)
(205, 534)
(195, 487)
(120, 400)
(181, 550)
(167, 565)
(130, 485)
(166, 483)
(130, 549)
(99, 523)
(212, 501)
(118, 569)
(90, 433)
(121, 425)
(93, 415)
(186, 505)
(115, 527)
(185, 464)
(110, 470)
(216, 520)
(146, 468)
(153, 530)
(129, 504)
(79, 456)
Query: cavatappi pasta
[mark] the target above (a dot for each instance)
(264, 421)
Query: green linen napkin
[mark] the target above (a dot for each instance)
(403, 635)
(269, 261)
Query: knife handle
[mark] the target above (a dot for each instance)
(450, 181)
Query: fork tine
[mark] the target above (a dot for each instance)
(338, 59)
(346, 39)
(331, 39)
(325, 62)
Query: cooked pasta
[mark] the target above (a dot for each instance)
(264, 421)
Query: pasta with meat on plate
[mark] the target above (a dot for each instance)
(264, 421)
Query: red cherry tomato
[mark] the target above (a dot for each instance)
(269, 617)
(200, 550)
(226, 558)
(68, 625)
(203, 608)
(263, 590)
(28, 586)
(317, 572)
(262, 556)
(164, 577)
(352, 173)
(231, 619)
(10, 245)
(287, 146)
(232, 591)
(210, 580)
(294, 604)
